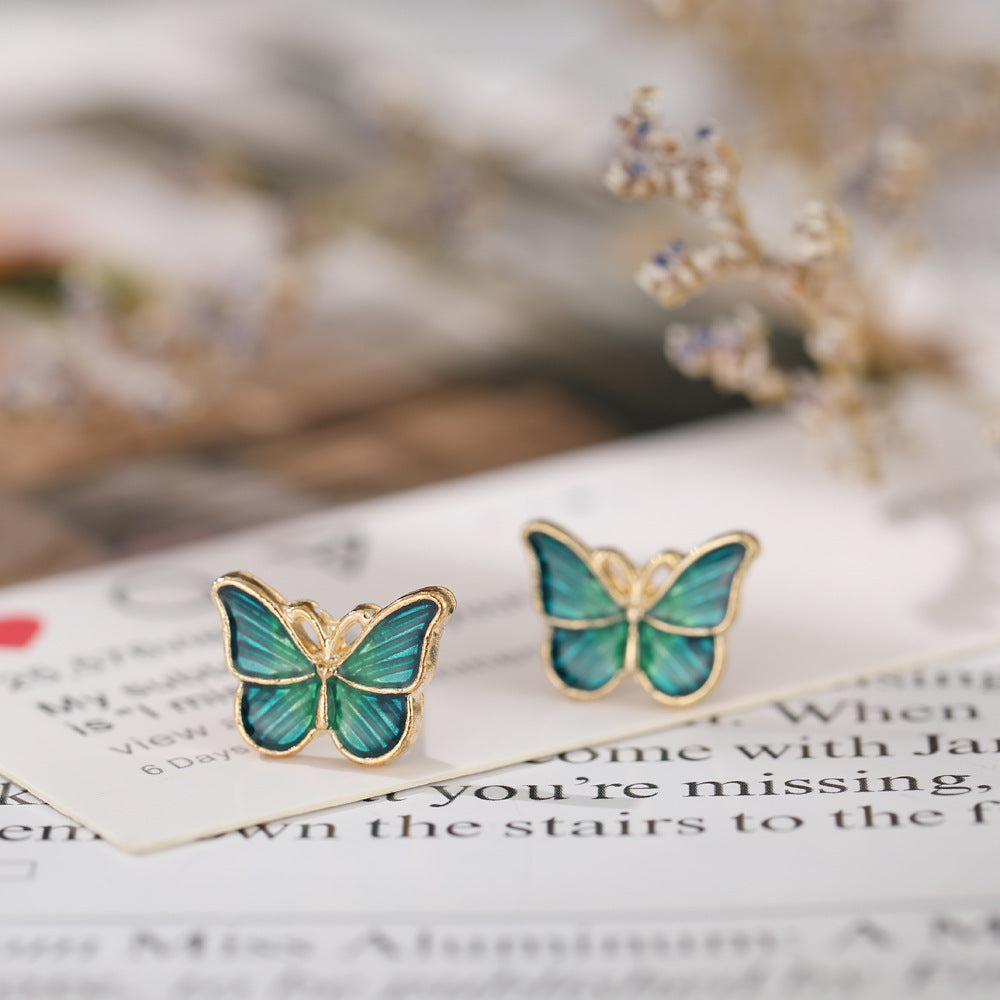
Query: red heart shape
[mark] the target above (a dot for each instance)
(17, 631)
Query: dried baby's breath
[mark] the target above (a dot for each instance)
(851, 355)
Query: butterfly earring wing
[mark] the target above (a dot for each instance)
(681, 642)
(605, 620)
(585, 648)
(374, 701)
(278, 700)
(367, 699)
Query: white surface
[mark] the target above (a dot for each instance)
(849, 580)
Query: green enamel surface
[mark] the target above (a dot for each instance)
(677, 665)
(699, 597)
(279, 716)
(568, 588)
(260, 646)
(389, 654)
(586, 659)
(368, 725)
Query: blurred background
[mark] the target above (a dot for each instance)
(257, 258)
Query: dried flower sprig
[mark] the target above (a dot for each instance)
(103, 337)
(851, 354)
(852, 90)
(72, 343)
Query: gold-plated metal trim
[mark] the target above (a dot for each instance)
(637, 592)
(332, 649)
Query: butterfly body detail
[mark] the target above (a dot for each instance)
(303, 672)
(663, 623)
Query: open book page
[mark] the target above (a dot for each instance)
(116, 706)
(839, 844)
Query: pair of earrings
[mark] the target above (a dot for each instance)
(359, 678)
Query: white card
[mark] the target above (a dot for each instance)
(119, 710)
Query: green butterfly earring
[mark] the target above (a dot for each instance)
(303, 672)
(664, 623)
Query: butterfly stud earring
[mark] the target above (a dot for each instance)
(303, 672)
(606, 618)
